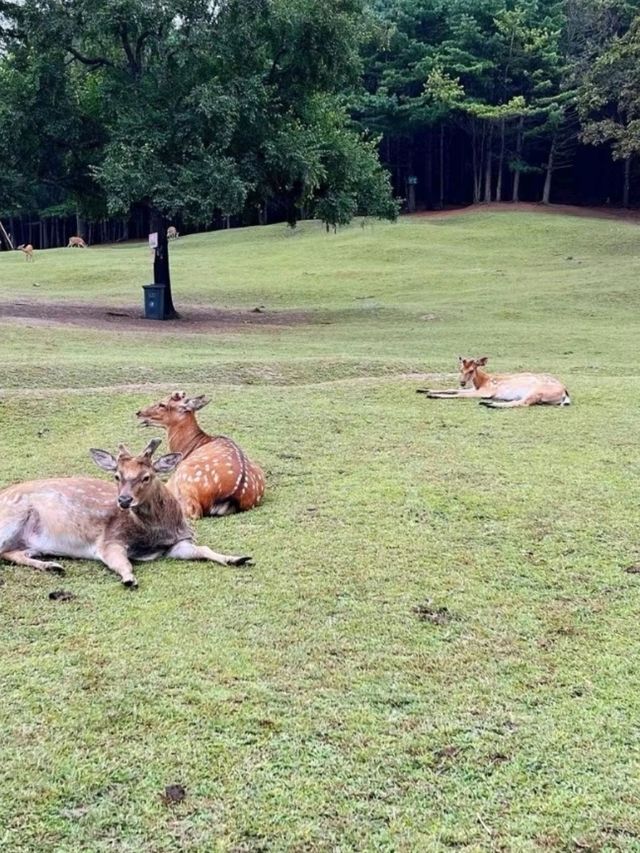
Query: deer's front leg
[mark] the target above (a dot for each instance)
(115, 557)
(188, 550)
(449, 393)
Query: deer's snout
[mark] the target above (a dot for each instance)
(125, 501)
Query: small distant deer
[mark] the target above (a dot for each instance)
(215, 477)
(172, 233)
(28, 251)
(76, 243)
(137, 518)
(503, 390)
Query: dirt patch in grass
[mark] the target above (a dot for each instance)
(130, 317)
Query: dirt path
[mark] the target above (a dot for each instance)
(165, 388)
(530, 207)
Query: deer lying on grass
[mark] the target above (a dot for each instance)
(76, 242)
(503, 390)
(215, 477)
(172, 233)
(28, 251)
(89, 519)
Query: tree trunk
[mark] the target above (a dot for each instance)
(161, 274)
(627, 182)
(477, 161)
(488, 167)
(81, 227)
(441, 199)
(500, 163)
(546, 192)
(428, 172)
(516, 176)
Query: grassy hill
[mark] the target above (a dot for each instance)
(315, 701)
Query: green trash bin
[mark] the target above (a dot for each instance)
(154, 301)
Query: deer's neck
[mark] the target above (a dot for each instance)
(160, 509)
(186, 437)
(481, 378)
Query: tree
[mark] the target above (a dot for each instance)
(196, 108)
(609, 100)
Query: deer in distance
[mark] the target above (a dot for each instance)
(76, 243)
(172, 233)
(134, 518)
(28, 251)
(502, 390)
(215, 476)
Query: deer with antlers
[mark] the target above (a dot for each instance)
(135, 518)
(503, 390)
(76, 243)
(215, 476)
(28, 251)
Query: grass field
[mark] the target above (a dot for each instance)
(311, 703)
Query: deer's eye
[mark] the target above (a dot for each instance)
(116, 477)
(161, 406)
(146, 478)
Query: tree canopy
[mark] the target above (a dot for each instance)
(189, 107)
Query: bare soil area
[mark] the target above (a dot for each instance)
(129, 317)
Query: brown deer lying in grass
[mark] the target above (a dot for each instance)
(503, 390)
(76, 242)
(215, 477)
(28, 251)
(137, 518)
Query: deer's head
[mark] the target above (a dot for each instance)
(171, 411)
(135, 476)
(468, 368)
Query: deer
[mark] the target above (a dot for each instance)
(28, 251)
(215, 477)
(503, 390)
(76, 243)
(172, 233)
(134, 518)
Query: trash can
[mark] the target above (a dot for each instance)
(154, 301)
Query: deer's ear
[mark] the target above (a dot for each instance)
(178, 395)
(103, 459)
(196, 403)
(166, 463)
(482, 361)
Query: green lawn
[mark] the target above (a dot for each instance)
(304, 704)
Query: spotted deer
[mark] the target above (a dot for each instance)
(135, 518)
(76, 243)
(28, 251)
(503, 390)
(215, 476)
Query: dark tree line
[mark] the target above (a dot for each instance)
(503, 100)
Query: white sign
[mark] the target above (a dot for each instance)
(153, 240)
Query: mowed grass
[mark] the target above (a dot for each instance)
(304, 703)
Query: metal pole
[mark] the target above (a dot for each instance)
(161, 274)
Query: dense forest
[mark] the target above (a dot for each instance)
(242, 111)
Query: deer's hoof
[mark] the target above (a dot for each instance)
(55, 569)
(132, 583)
(239, 561)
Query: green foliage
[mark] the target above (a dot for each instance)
(191, 110)
(610, 95)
